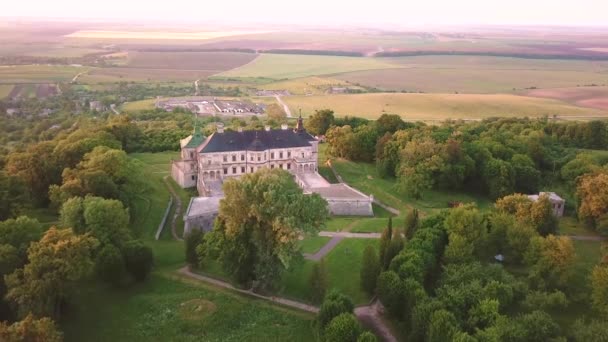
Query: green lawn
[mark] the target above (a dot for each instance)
(313, 243)
(364, 177)
(173, 309)
(570, 226)
(344, 265)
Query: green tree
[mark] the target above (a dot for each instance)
(596, 135)
(261, 218)
(484, 314)
(499, 178)
(56, 263)
(391, 293)
(320, 121)
(334, 304)
(389, 123)
(71, 215)
(385, 241)
(19, 233)
(319, 281)
(592, 191)
(139, 259)
(110, 265)
(527, 177)
(31, 330)
(582, 164)
(370, 269)
(394, 247)
(442, 327)
(274, 111)
(467, 223)
(599, 289)
(542, 217)
(343, 328)
(367, 337)
(411, 223)
(595, 330)
(192, 240)
(552, 259)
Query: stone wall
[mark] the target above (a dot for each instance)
(203, 223)
(350, 207)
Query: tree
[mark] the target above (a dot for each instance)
(319, 281)
(542, 217)
(595, 330)
(31, 330)
(467, 222)
(56, 263)
(527, 177)
(334, 304)
(370, 269)
(499, 178)
(139, 259)
(19, 233)
(411, 223)
(592, 191)
(394, 247)
(343, 328)
(260, 219)
(582, 164)
(71, 215)
(599, 289)
(389, 123)
(320, 121)
(274, 111)
(442, 327)
(110, 265)
(484, 314)
(192, 240)
(421, 162)
(596, 135)
(14, 195)
(385, 241)
(552, 259)
(367, 337)
(391, 293)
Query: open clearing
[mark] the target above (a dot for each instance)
(592, 97)
(431, 107)
(206, 61)
(280, 67)
(108, 34)
(112, 75)
(5, 89)
(307, 85)
(63, 52)
(475, 74)
(38, 73)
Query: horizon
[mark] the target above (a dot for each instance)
(317, 13)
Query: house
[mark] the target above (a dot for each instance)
(207, 161)
(557, 202)
(96, 106)
(12, 111)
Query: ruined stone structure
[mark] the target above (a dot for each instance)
(558, 204)
(207, 161)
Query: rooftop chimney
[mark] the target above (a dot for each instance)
(267, 128)
(284, 127)
(220, 127)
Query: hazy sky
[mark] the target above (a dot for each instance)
(357, 12)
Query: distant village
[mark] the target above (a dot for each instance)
(212, 106)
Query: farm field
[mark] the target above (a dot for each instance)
(279, 67)
(592, 97)
(5, 90)
(63, 52)
(433, 107)
(120, 74)
(154, 35)
(138, 105)
(308, 85)
(204, 61)
(478, 74)
(38, 73)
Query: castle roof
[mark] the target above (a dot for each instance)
(258, 140)
(197, 138)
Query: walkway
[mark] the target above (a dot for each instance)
(285, 106)
(350, 235)
(178, 208)
(325, 249)
(587, 237)
(369, 314)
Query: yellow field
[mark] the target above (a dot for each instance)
(5, 89)
(103, 34)
(281, 67)
(431, 107)
(38, 73)
(308, 85)
(138, 105)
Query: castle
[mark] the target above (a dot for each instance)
(207, 161)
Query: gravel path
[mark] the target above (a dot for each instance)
(370, 317)
(587, 237)
(325, 249)
(178, 209)
(350, 235)
(285, 106)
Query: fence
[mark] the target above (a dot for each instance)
(164, 220)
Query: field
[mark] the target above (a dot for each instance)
(204, 61)
(308, 85)
(155, 35)
(38, 73)
(430, 107)
(281, 67)
(63, 52)
(476, 74)
(123, 74)
(5, 90)
(592, 97)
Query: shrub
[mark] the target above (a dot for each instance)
(138, 259)
(343, 328)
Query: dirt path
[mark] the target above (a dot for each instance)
(285, 106)
(587, 237)
(196, 92)
(331, 244)
(368, 315)
(78, 75)
(178, 209)
(283, 301)
(350, 235)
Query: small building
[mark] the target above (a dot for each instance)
(96, 106)
(12, 111)
(557, 202)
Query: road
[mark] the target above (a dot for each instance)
(196, 92)
(78, 75)
(113, 108)
(285, 107)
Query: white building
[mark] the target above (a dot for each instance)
(557, 202)
(207, 161)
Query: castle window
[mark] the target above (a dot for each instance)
(259, 157)
(271, 155)
(288, 154)
(280, 166)
(193, 177)
(251, 157)
(251, 169)
(272, 166)
(242, 169)
(233, 158)
(281, 155)
(225, 170)
(225, 158)
(208, 161)
(234, 170)
(191, 155)
(302, 154)
(288, 166)
(242, 157)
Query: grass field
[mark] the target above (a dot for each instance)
(38, 73)
(5, 89)
(294, 66)
(431, 107)
(63, 52)
(138, 105)
(308, 85)
(169, 309)
(124, 74)
(592, 97)
(150, 34)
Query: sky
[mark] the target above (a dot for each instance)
(325, 12)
